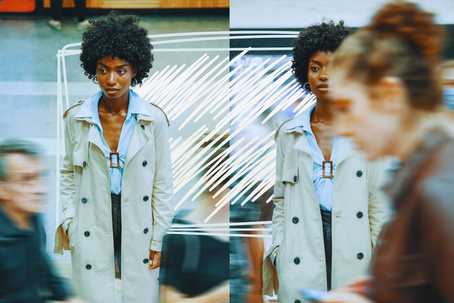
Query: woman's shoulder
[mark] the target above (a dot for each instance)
(74, 108)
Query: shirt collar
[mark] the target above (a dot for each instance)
(138, 107)
(301, 123)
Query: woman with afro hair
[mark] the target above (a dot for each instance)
(116, 180)
(328, 211)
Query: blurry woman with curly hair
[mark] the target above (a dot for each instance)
(328, 210)
(116, 180)
(387, 96)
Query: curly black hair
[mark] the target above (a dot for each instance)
(326, 36)
(119, 37)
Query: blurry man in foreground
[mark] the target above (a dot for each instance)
(26, 274)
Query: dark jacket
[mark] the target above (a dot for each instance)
(414, 260)
(26, 273)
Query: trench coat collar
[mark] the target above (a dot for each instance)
(137, 106)
(301, 124)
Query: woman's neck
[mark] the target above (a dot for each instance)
(115, 106)
(322, 112)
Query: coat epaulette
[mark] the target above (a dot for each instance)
(72, 106)
(165, 115)
(279, 128)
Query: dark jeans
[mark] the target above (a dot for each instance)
(116, 227)
(326, 221)
(57, 9)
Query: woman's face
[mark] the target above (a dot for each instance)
(373, 123)
(317, 75)
(114, 76)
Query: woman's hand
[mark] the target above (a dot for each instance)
(155, 259)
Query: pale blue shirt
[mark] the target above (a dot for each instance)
(134, 108)
(323, 186)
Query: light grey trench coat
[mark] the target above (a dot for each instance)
(86, 202)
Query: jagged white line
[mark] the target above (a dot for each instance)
(195, 87)
(221, 234)
(164, 97)
(177, 87)
(246, 223)
(220, 229)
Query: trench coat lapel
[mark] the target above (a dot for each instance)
(140, 136)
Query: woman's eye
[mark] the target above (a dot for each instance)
(101, 70)
(122, 72)
(315, 69)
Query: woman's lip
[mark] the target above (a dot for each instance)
(111, 90)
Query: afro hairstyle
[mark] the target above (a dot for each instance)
(325, 37)
(120, 37)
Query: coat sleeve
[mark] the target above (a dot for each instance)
(278, 196)
(67, 190)
(162, 186)
(379, 206)
(269, 274)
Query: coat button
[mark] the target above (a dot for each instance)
(84, 164)
(145, 198)
(145, 261)
(295, 220)
(145, 231)
(360, 256)
(296, 260)
(143, 126)
(359, 173)
(88, 266)
(297, 301)
(144, 163)
(84, 200)
(359, 214)
(295, 179)
(87, 234)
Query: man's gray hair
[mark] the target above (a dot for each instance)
(15, 146)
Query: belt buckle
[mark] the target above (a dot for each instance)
(327, 169)
(114, 160)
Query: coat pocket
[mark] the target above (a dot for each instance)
(290, 172)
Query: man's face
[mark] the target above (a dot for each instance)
(23, 190)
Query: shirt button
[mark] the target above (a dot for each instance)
(84, 200)
(359, 173)
(296, 260)
(88, 266)
(145, 261)
(144, 163)
(87, 234)
(360, 256)
(295, 220)
(145, 198)
(145, 231)
(359, 214)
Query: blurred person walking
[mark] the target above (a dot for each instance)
(387, 95)
(329, 208)
(57, 12)
(26, 272)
